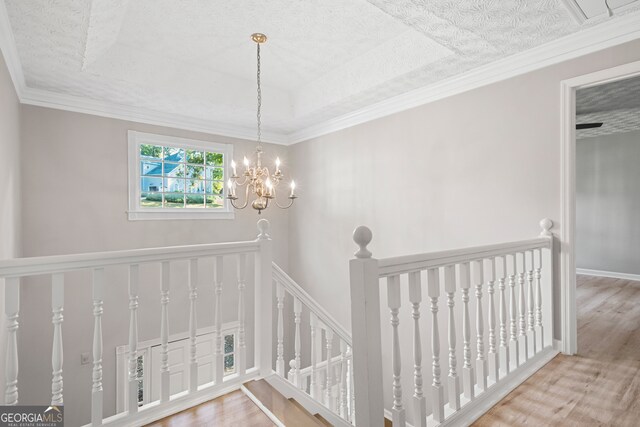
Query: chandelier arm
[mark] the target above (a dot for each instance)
(284, 207)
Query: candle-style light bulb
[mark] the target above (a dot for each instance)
(230, 186)
(246, 162)
(293, 188)
(233, 166)
(277, 163)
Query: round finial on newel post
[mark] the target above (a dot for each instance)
(362, 236)
(263, 228)
(546, 224)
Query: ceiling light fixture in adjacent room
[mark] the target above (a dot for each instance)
(260, 183)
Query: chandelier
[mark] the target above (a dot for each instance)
(260, 185)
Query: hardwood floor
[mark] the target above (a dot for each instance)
(231, 410)
(598, 387)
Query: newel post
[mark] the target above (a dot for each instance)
(365, 328)
(264, 301)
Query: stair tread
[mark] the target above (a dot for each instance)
(289, 413)
(323, 420)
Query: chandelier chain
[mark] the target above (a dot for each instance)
(258, 115)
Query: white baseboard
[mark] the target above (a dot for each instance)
(474, 409)
(611, 274)
(288, 390)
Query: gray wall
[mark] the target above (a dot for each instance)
(75, 196)
(9, 184)
(477, 168)
(608, 203)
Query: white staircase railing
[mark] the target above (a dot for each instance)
(15, 270)
(328, 373)
(506, 346)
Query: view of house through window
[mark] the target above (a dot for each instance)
(177, 177)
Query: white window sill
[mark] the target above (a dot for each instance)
(173, 214)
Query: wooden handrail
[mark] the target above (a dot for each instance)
(294, 289)
(21, 267)
(404, 264)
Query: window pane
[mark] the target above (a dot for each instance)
(229, 364)
(151, 200)
(173, 169)
(228, 344)
(215, 187)
(150, 168)
(174, 200)
(215, 159)
(215, 173)
(215, 202)
(151, 151)
(194, 186)
(173, 185)
(196, 157)
(195, 201)
(173, 154)
(195, 172)
(150, 184)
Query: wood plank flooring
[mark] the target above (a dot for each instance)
(598, 387)
(231, 410)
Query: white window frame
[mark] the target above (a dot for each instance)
(137, 212)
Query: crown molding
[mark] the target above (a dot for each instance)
(613, 32)
(616, 31)
(78, 104)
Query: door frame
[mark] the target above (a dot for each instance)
(568, 89)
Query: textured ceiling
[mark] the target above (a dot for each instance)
(324, 58)
(615, 104)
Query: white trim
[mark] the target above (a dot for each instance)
(288, 390)
(616, 31)
(180, 402)
(477, 407)
(610, 274)
(136, 212)
(575, 11)
(261, 406)
(568, 192)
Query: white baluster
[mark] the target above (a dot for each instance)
(12, 309)
(481, 363)
(280, 331)
(494, 371)
(344, 413)
(513, 343)
(165, 377)
(297, 313)
(314, 388)
(134, 279)
(453, 380)
(394, 303)
(522, 308)
(433, 287)
(218, 358)
(539, 329)
(96, 391)
(292, 371)
(352, 395)
(419, 400)
(241, 358)
(329, 395)
(57, 306)
(467, 369)
(531, 333)
(504, 349)
(492, 356)
(193, 325)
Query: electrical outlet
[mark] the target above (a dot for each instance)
(85, 359)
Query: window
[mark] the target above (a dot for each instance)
(172, 178)
(229, 354)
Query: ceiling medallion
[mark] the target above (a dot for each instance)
(260, 185)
